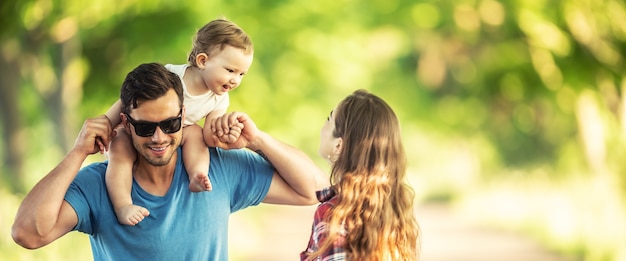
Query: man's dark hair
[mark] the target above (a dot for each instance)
(149, 81)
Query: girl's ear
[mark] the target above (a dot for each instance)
(201, 60)
(337, 147)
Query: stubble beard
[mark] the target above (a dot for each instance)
(155, 161)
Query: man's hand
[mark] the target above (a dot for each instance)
(44, 215)
(94, 136)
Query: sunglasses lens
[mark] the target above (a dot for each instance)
(145, 129)
(170, 126)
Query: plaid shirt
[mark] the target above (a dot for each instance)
(319, 231)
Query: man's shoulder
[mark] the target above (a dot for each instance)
(230, 154)
(96, 166)
(92, 171)
(237, 160)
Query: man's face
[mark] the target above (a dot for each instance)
(158, 148)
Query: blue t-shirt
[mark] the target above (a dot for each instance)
(182, 225)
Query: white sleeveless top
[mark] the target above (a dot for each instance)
(198, 106)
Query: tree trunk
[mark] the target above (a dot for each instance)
(12, 145)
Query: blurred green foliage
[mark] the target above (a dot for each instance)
(487, 91)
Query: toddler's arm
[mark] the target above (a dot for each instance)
(207, 133)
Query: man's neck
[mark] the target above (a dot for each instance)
(155, 180)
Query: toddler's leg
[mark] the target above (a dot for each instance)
(119, 179)
(196, 159)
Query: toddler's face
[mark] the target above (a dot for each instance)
(224, 71)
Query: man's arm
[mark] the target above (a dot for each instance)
(44, 215)
(296, 178)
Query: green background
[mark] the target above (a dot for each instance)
(511, 111)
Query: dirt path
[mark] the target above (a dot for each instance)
(280, 233)
(449, 237)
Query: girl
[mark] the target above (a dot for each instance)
(367, 213)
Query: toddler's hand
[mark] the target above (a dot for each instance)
(234, 132)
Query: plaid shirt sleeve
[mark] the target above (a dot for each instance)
(319, 231)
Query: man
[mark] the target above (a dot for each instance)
(181, 225)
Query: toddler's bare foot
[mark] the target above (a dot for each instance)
(200, 182)
(131, 214)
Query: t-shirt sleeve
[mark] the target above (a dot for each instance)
(88, 183)
(247, 174)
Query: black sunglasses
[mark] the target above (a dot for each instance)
(147, 128)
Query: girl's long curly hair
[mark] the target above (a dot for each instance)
(375, 204)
